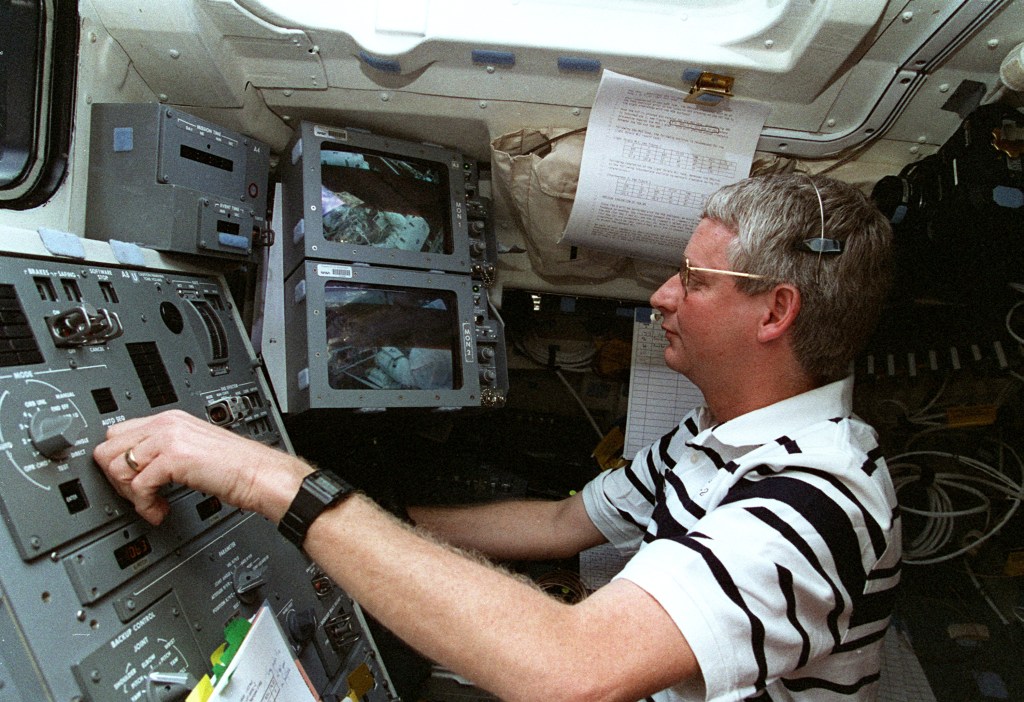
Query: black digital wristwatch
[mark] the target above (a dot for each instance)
(319, 491)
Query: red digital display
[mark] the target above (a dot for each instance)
(132, 552)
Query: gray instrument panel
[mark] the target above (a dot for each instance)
(94, 600)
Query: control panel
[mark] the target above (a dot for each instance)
(492, 357)
(483, 242)
(489, 329)
(96, 604)
(163, 178)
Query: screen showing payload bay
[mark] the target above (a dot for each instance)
(389, 202)
(382, 337)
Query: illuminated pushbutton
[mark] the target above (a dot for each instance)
(53, 435)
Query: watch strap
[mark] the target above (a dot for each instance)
(319, 491)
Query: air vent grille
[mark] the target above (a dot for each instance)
(152, 373)
(18, 345)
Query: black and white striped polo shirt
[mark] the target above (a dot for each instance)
(773, 542)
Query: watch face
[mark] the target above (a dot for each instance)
(328, 483)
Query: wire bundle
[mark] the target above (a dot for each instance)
(565, 354)
(576, 357)
(977, 481)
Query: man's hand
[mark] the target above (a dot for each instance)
(141, 455)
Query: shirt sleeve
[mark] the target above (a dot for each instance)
(599, 498)
(621, 502)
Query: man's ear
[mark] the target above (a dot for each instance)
(783, 305)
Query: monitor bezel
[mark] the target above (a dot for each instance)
(302, 216)
(306, 333)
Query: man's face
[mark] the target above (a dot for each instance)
(708, 326)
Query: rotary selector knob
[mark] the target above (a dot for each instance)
(53, 435)
(41, 424)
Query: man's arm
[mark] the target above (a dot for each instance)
(498, 631)
(514, 529)
(495, 629)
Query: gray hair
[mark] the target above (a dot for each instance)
(841, 294)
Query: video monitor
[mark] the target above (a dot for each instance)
(385, 337)
(371, 338)
(374, 199)
(355, 197)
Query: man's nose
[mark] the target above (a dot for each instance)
(662, 297)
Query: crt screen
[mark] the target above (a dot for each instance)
(381, 337)
(377, 200)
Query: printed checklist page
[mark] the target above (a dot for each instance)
(658, 396)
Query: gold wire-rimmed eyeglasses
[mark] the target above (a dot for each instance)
(684, 274)
(819, 245)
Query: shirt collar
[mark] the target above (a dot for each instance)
(785, 417)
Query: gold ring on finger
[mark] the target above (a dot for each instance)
(129, 458)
